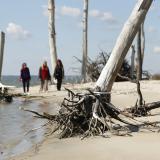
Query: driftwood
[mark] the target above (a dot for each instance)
(90, 114)
(142, 110)
(94, 67)
(5, 96)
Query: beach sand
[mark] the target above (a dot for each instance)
(141, 145)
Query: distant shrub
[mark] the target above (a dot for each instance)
(156, 77)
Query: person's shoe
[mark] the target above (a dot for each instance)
(24, 93)
(28, 93)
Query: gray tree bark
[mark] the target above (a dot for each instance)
(85, 40)
(132, 61)
(123, 43)
(142, 41)
(52, 33)
(139, 56)
(2, 42)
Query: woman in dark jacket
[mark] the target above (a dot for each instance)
(59, 74)
(25, 77)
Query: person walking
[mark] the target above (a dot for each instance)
(44, 76)
(25, 78)
(59, 74)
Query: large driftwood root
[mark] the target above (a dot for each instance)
(89, 114)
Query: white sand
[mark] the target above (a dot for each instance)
(142, 145)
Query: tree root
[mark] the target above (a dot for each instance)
(91, 114)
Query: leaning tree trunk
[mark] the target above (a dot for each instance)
(85, 41)
(124, 41)
(52, 33)
(2, 41)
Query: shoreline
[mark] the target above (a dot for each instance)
(142, 145)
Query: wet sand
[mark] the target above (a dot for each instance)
(141, 145)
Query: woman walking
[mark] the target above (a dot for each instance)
(59, 74)
(44, 76)
(25, 77)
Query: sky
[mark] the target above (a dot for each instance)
(25, 23)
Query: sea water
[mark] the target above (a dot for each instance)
(17, 133)
(14, 80)
(16, 124)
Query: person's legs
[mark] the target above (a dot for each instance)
(24, 86)
(59, 82)
(46, 85)
(27, 85)
(42, 85)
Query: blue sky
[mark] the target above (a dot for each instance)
(26, 26)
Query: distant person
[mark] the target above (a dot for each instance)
(44, 76)
(25, 77)
(59, 74)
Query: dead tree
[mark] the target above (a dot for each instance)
(52, 33)
(2, 41)
(139, 56)
(124, 41)
(91, 113)
(142, 41)
(132, 62)
(85, 40)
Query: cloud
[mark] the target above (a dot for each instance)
(95, 13)
(70, 11)
(104, 16)
(17, 31)
(156, 49)
(107, 16)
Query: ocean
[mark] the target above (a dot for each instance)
(14, 80)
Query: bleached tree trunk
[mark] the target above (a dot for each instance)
(2, 41)
(123, 43)
(52, 33)
(85, 40)
(132, 61)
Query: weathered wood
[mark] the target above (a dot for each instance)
(142, 41)
(139, 56)
(2, 42)
(85, 40)
(123, 43)
(132, 61)
(52, 33)
(143, 110)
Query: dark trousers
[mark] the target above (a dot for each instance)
(25, 85)
(59, 83)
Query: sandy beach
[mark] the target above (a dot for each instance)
(141, 145)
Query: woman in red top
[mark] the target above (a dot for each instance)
(44, 76)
